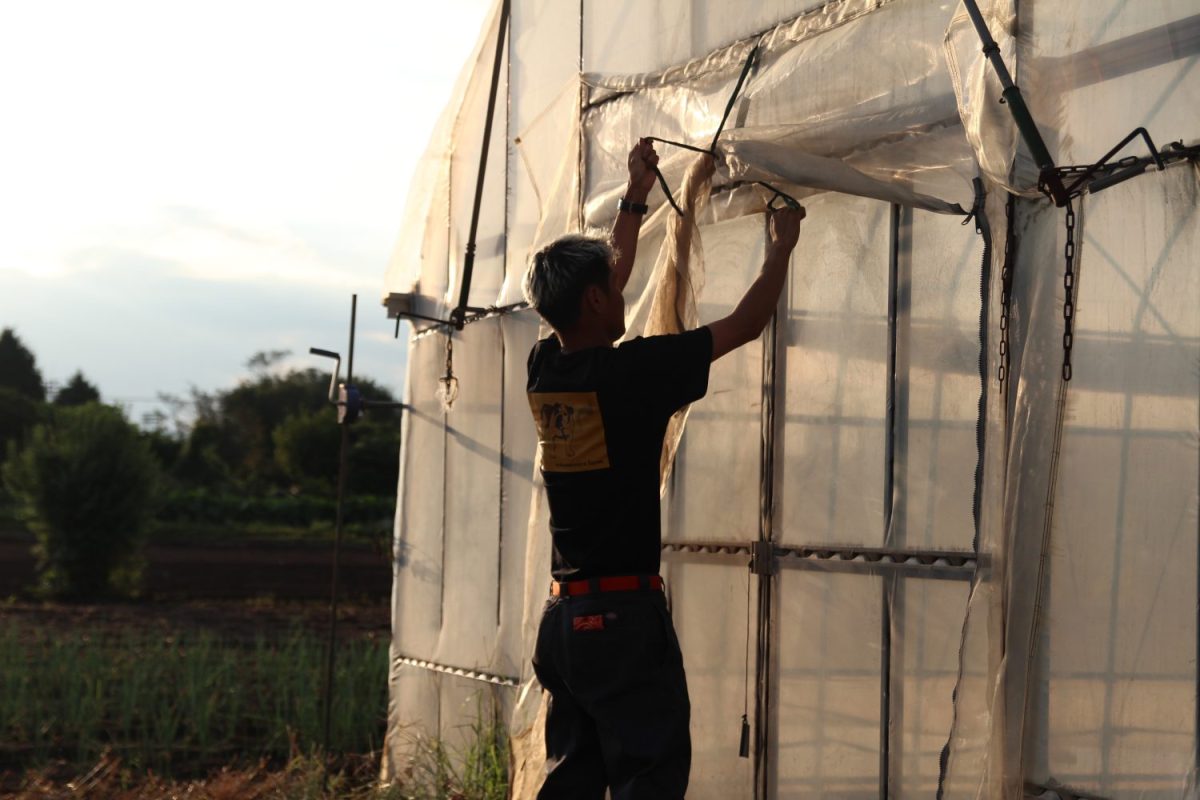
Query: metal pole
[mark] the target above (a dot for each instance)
(583, 106)
(1016, 106)
(885, 667)
(763, 662)
(464, 290)
(343, 450)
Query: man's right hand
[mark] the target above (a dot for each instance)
(784, 228)
(754, 310)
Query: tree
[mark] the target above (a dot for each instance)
(18, 370)
(77, 392)
(306, 451)
(306, 448)
(18, 414)
(374, 457)
(263, 360)
(84, 483)
(200, 462)
(242, 421)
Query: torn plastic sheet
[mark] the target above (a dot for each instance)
(812, 91)
(801, 121)
(679, 281)
(763, 161)
(797, 173)
(987, 124)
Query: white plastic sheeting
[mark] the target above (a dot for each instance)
(978, 589)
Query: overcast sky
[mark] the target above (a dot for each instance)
(183, 184)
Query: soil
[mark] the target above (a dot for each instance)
(352, 777)
(229, 620)
(273, 569)
(235, 591)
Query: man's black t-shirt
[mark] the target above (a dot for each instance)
(601, 415)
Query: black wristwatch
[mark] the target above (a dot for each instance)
(632, 208)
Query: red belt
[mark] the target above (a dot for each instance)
(616, 583)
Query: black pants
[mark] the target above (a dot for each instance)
(619, 709)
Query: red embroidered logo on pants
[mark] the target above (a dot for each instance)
(595, 622)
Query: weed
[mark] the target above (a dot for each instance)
(182, 703)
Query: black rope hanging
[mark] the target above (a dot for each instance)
(776, 195)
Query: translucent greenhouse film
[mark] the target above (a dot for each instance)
(935, 532)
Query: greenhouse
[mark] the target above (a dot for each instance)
(935, 533)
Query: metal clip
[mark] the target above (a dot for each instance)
(762, 558)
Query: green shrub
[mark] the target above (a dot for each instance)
(83, 483)
(203, 505)
(306, 448)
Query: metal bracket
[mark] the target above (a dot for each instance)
(458, 319)
(762, 558)
(1104, 173)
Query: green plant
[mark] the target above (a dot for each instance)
(135, 705)
(182, 704)
(476, 769)
(83, 484)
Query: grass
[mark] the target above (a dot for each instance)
(182, 704)
(479, 771)
(301, 778)
(131, 715)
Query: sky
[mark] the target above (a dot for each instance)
(184, 184)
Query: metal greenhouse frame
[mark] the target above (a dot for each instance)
(935, 533)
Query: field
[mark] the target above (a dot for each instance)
(197, 692)
(283, 569)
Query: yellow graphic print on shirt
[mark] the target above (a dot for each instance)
(570, 431)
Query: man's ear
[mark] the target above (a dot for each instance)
(594, 296)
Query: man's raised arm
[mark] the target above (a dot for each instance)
(642, 160)
(758, 304)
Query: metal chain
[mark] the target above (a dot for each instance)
(1069, 295)
(1111, 166)
(1006, 276)
(448, 384)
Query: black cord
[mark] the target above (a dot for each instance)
(667, 191)
(712, 148)
(733, 97)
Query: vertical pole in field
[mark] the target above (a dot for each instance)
(337, 545)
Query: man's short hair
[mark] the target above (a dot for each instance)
(561, 271)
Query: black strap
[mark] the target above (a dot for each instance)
(667, 190)
(712, 148)
(733, 97)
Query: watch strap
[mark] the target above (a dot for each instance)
(632, 208)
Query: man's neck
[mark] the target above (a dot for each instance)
(576, 340)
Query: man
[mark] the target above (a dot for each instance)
(606, 648)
